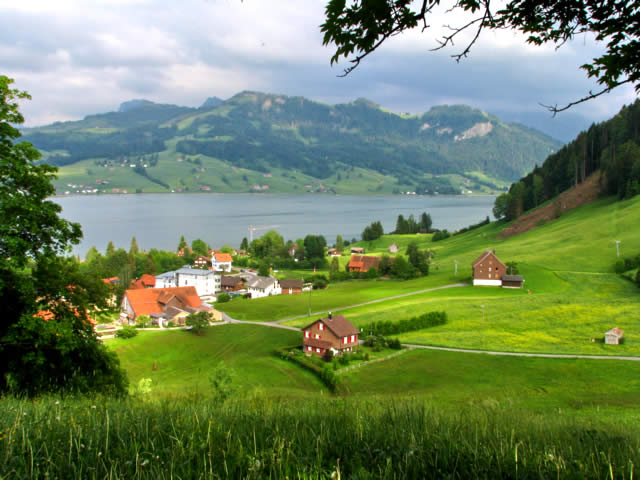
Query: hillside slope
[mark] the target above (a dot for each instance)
(295, 143)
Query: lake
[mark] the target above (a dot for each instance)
(158, 220)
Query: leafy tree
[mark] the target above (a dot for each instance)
(339, 243)
(372, 232)
(358, 28)
(223, 298)
(268, 245)
(401, 224)
(199, 247)
(418, 258)
(244, 244)
(92, 254)
(500, 205)
(264, 270)
(46, 341)
(384, 267)
(314, 246)
(133, 249)
(110, 248)
(197, 321)
(400, 268)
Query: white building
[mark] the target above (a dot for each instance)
(221, 262)
(207, 283)
(263, 287)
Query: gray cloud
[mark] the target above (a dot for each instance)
(79, 58)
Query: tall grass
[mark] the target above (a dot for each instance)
(259, 438)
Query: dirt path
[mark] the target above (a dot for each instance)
(371, 302)
(522, 354)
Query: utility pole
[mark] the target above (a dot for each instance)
(455, 271)
(618, 247)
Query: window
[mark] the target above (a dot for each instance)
(306, 334)
(345, 340)
(353, 338)
(489, 268)
(309, 349)
(489, 275)
(317, 336)
(321, 326)
(317, 350)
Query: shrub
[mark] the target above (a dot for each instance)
(440, 235)
(127, 332)
(427, 320)
(223, 298)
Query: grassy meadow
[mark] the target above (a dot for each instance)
(568, 267)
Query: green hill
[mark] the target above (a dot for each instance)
(263, 142)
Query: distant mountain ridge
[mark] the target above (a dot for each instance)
(260, 132)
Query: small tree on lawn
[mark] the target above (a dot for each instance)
(222, 383)
(335, 265)
(197, 321)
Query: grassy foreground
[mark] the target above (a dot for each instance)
(134, 438)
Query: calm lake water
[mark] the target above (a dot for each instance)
(158, 220)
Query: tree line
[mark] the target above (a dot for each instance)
(612, 147)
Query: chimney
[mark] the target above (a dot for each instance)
(329, 315)
(494, 251)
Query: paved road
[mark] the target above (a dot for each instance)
(227, 319)
(371, 302)
(519, 354)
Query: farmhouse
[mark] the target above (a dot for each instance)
(613, 336)
(263, 287)
(202, 262)
(488, 269)
(206, 282)
(363, 263)
(393, 248)
(231, 283)
(291, 287)
(334, 333)
(512, 281)
(357, 250)
(221, 262)
(150, 301)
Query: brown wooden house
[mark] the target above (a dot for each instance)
(363, 263)
(357, 250)
(231, 283)
(291, 286)
(202, 262)
(334, 333)
(488, 269)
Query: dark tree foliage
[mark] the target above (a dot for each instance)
(357, 28)
(419, 259)
(314, 247)
(411, 225)
(613, 147)
(373, 231)
(47, 343)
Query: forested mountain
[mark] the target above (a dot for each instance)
(261, 133)
(611, 147)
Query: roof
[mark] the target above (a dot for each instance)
(364, 262)
(223, 257)
(316, 342)
(111, 280)
(166, 275)
(145, 281)
(484, 255)
(151, 300)
(194, 271)
(338, 324)
(202, 258)
(357, 249)
(291, 283)
(615, 331)
(261, 282)
(230, 281)
(512, 278)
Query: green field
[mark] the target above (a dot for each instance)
(185, 362)
(571, 294)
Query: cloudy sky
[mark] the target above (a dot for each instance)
(78, 57)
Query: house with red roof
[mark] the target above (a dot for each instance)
(363, 263)
(145, 281)
(221, 262)
(334, 333)
(177, 302)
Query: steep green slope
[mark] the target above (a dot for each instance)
(291, 144)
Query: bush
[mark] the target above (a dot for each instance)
(127, 332)
(223, 298)
(440, 235)
(427, 320)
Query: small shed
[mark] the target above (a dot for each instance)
(613, 336)
(512, 281)
(393, 248)
(357, 250)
